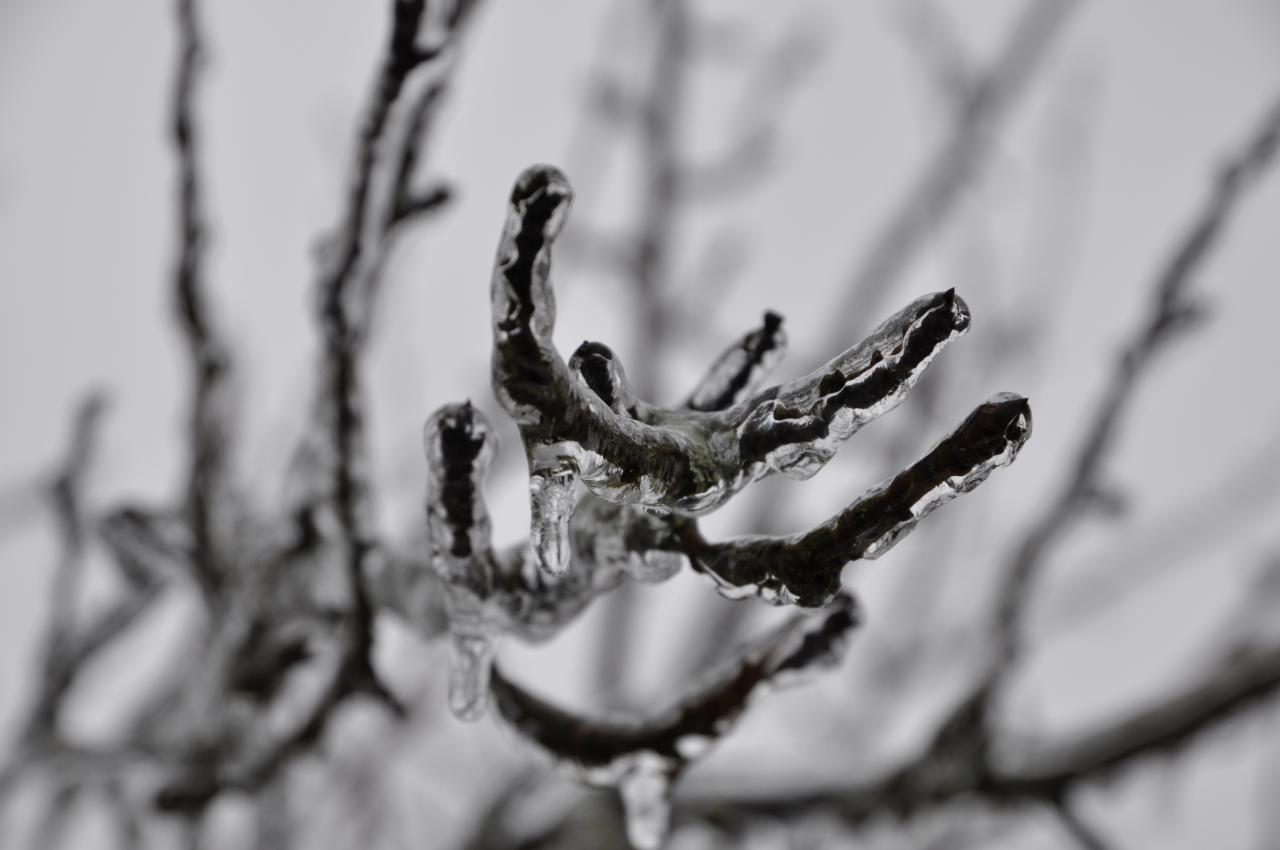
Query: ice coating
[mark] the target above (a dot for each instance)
(459, 446)
(642, 758)
(645, 791)
(804, 569)
(627, 539)
(649, 470)
(583, 422)
(487, 594)
(739, 370)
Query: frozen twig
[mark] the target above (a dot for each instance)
(643, 758)
(1172, 311)
(737, 372)
(804, 568)
(487, 594)
(690, 462)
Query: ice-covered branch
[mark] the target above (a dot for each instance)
(643, 758)
(687, 461)
(487, 594)
(1237, 681)
(804, 569)
(738, 371)
(634, 540)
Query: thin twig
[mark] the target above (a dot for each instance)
(61, 655)
(1172, 311)
(1081, 832)
(939, 186)
(209, 416)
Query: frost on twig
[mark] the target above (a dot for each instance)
(643, 758)
(686, 461)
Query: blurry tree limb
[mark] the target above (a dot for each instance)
(210, 407)
(1172, 311)
(938, 187)
(1107, 577)
(1081, 832)
(659, 129)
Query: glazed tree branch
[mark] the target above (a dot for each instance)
(489, 594)
(642, 758)
(691, 462)
(804, 569)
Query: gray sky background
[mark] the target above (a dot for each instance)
(1161, 89)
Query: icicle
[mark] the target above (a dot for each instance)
(552, 491)
(646, 801)
(470, 664)
(804, 569)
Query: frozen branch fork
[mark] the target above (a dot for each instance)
(648, 472)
